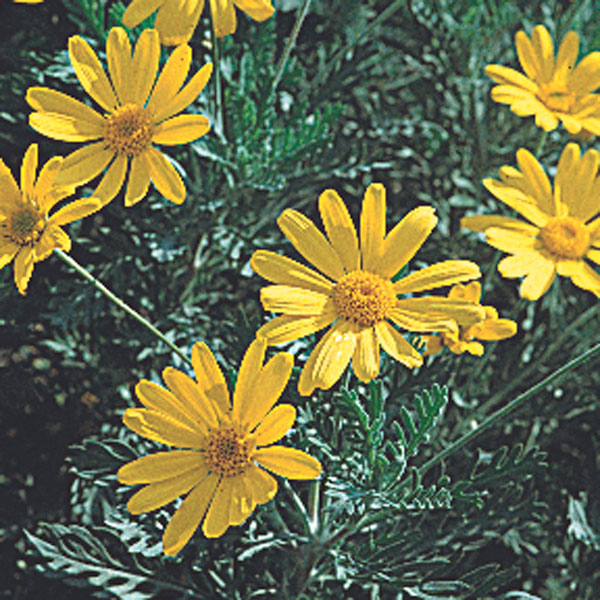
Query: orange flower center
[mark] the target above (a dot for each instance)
(566, 237)
(557, 96)
(128, 130)
(228, 451)
(24, 226)
(364, 298)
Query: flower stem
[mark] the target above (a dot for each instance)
(540, 144)
(219, 111)
(136, 315)
(289, 46)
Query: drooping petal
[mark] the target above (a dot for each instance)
(329, 358)
(210, 377)
(145, 65)
(84, 164)
(177, 20)
(217, 517)
(365, 360)
(285, 271)
(28, 172)
(396, 346)
(24, 268)
(372, 227)
(288, 462)
(403, 242)
(118, 58)
(171, 78)
(223, 17)
(447, 272)
(340, 229)
(275, 425)
(91, 74)
(295, 301)
(157, 494)
(259, 10)
(248, 373)
(112, 181)
(271, 382)
(287, 328)
(310, 243)
(162, 428)
(165, 177)
(160, 466)
(139, 179)
(181, 130)
(188, 516)
(140, 10)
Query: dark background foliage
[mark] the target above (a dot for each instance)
(407, 106)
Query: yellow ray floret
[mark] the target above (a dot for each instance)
(28, 233)
(225, 447)
(138, 111)
(467, 339)
(561, 234)
(176, 20)
(552, 88)
(354, 292)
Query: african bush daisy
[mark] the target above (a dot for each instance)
(551, 89)
(176, 21)
(27, 233)
(463, 339)
(563, 233)
(139, 112)
(224, 446)
(355, 293)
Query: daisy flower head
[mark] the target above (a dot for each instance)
(551, 88)
(561, 233)
(354, 291)
(224, 448)
(139, 110)
(176, 20)
(27, 233)
(469, 338)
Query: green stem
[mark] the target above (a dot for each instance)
(219, 112)
(540, 144)
(313, 505)
(111, 296)
(299, 505)
(291, 42)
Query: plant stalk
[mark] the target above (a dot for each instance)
(219, 110)
(120, 303)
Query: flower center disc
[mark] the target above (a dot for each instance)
(557, 96)
(228, 451)
(364, 298)
(25, 226)
(128, 130)
(566, 237)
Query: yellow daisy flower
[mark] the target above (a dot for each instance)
(461, 340)
(355, 293)
(225, 446)
(552, 88)
(139, 113)
(27, 233)
(28, 1)
(176, 20)
(563, 231)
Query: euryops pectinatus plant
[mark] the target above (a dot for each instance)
(363, 354)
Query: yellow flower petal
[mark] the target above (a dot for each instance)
(53, 237)
(75, 210)
(160, 466)
(162, 428)
(139, 179)
(465, 313)
(259, 10)
(47, 177)
(8, 250)
(140, 10)
(275, 424)
(372, 227)
(566, 173)
(510, 94)
(433, 344)
(365, 360)
(469, 293)
(527, 57)
(418, 321)
(248, 373)
(10, 195)
(155, 495)
(271, 382)
(24, 268)
(403, 242)
(494, 329)
(592, 254)
(223, 17)
(176, 20)
(508, 76)
(210, 377)
(544, 50)
(64, 127)
(538, 279)
(28, 171)
(310, 243)
(188, 516)
(260, 484)
(518, 265)
(286, 271)
(329, 358)
(242, 503)
(509, 240)
(587, 278)
(186, 96)
(340, 229)
(91, 74)
(112, 181)
(287, 328)
(181, 130)
(544, 118)
(396, 346)
(481, 223)
(288, 462)
(586, 76)
(171, 78)
(118, 57)
(165, 177)
(567, 54)
(440, 274)
(84, 164)
(581, 204)
(295, 301)
(537, 181)
(217, 517)
(144, 65)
